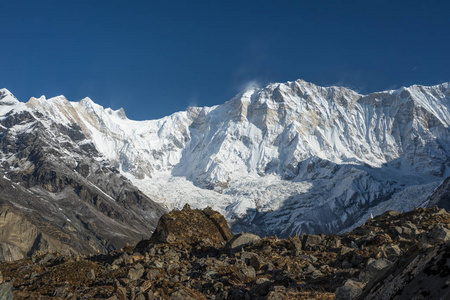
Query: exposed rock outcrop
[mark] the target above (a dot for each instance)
(441, 196)
(426, 276)
(57, 193)
(192, 226)
(19, 237)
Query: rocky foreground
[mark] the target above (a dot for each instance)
(194, 255)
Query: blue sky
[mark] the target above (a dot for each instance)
(156, 57)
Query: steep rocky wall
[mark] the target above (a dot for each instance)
(67, 197)
(19, 237)
(441, 196)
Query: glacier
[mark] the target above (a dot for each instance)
(287, 158)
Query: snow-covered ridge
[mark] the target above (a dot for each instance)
(262, 130)
(273, 139)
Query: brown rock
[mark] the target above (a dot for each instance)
(389, 251)
(440, 234)
(140, 297)
(220, 223)
(390, 213)
(311, 242)
(248, 271)
(350, 290)
(184, 294)
(295, 244)
(256, 262)
(241, 240)
(90, 274)
(373, 268)
(121, 293)
(22, 295)
(192, 226)
(136, 272)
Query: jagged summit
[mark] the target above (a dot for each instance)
(300, 86)
(4, 92)
(7, 96)
(86, 102)
(119, 113)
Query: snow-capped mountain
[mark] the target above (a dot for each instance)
(58, 193)
(287, 158)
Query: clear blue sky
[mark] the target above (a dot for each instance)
(156, 57)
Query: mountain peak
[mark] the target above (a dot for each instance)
(120, 113)
(5, 91)
(6, 95)
(87, 102)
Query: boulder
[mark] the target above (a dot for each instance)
(136, 272)
(192, 226)
(241, 240)
(380, 239)
(374, 267)
(440, 234)
(311, 241)
(46, 258)
(310, 258)
(350, 290)
(90, 275)
(6, 291)
(248, 271)
(333, 242)
(256, 262)
(295, 244)
(344, 250)
(390, 213)
(397, 230)
(389, 251)
(220, 223)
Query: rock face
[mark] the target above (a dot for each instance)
(348, 266)
(192, 226)
(57, 193)
(20, 237)
(426, 276)
(441, 196)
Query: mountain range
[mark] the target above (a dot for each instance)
(285, 159)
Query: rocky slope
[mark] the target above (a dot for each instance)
(58, 193)
(283, 159)
(392, 256)
(441, 196)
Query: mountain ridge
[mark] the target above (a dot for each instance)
(282, 154)
(60, 192)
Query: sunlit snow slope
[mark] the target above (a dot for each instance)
(286, 158)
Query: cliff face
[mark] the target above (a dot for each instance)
(21, 237)
(57, 193)
(423, 277)
(441, 196)
(393, 256)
